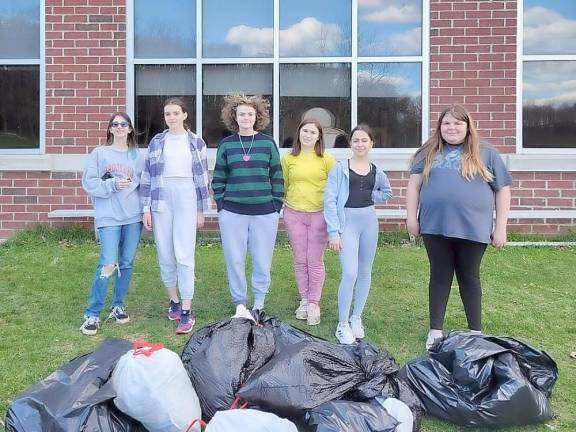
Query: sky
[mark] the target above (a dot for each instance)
(307, 28)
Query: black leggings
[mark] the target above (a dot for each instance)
(448, 255)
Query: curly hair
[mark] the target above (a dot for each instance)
(231, 103)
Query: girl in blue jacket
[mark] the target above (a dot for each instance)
(353, 187)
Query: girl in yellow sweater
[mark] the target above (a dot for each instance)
(305, 171)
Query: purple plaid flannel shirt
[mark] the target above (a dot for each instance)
(151, 182)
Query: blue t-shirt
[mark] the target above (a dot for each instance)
(451, 205)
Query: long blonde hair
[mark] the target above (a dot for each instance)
(472, 163)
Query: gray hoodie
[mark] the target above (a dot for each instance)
(103, 167)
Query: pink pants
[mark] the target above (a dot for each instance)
(308, 237)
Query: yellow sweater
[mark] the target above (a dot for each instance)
(305, 178)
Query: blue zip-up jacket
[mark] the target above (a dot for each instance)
(336, 195)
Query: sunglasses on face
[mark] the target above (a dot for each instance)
(120, 124)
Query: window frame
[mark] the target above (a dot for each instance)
(41, 63)
(521, 58)
(276, 60)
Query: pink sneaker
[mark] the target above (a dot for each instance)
(186, 324)
(174, 311)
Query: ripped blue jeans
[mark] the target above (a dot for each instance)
(118, 246)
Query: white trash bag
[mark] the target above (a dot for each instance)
(153, 387)
(400, 411)
(248, 420)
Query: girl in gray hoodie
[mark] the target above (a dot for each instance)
(111, 178)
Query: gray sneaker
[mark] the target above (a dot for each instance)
(118, 313)
(90, 325)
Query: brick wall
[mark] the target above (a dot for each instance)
(85, 71)
(473, 62)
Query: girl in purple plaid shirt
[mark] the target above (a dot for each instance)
(174, 193)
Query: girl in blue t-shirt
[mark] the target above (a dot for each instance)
(455, 185)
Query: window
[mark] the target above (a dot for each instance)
(155, 84)
(307, 66)
(548, 71)
(222, 79)
(20, 75)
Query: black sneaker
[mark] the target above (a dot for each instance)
(119, 314)
(90, 325)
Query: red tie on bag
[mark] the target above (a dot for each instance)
(141, 347)
(201, 422)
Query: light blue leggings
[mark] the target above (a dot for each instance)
(359, 241)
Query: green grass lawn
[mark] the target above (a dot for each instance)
(528, 294)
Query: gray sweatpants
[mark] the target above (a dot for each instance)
(359, 241)
(256, 233)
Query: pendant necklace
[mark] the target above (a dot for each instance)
(246, 156)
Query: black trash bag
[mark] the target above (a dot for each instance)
(381, 369)
(221, 356)
(349, 416)
(77, 397)
(484, 381)
(301, 377)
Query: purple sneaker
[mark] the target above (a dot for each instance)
(174, 311)
(187, 321)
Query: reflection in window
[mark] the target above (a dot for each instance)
(390, 27)
(20, 29)
(19, 107)
(549, 104)
(156, 83)
(219, 80)
(245, 30)
(315, 28)
(315, 90)
(164, 29)
(390, 101)
(549, 27)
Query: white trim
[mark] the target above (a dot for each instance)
(549, 57)
(381, 213)
(354, 66)
(130, 68)
(425, 71)
(199, 70)
(391, 59)
(276, 74)
(22, 61)
(41, 63)
(519, 72)
(165, 61)
(42, 86)
(388, 161)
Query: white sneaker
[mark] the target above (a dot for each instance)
(433, 337)
(302, 311)
(357, 327)
(344, 334)
(313, 314)
(90, 325)
(242, 312)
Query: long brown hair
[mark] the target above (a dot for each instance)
(472, 163)
(130, 139)
(318, 146)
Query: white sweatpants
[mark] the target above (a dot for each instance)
(175, 235)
